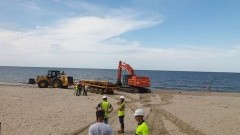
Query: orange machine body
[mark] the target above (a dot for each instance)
(131, 79)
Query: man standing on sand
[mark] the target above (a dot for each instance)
(100, 128)
(142, 128)
(121, 114)
(86, 89)
(78, 89)
(106, 107)
(208, 87)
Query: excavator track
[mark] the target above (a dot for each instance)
(135, 89)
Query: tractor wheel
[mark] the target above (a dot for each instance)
(43, 84)
(96, 91)
(57, 84)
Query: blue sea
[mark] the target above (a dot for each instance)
(170, 80)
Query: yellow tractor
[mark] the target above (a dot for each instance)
(54, 78)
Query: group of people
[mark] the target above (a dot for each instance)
(81, 89)
(103, 110)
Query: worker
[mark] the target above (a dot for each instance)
(208, 87)
(100, 128)
(78, 89)
(121, 114)
(106, 107)
(86, 89)
(142, 128)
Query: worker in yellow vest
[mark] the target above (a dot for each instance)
(106, 107)
(78, 88)
(142, 128)
(121, 114)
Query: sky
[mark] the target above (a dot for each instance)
(172, 35)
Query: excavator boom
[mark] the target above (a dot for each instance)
(126, 67)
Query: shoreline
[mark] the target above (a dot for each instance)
(153, 90)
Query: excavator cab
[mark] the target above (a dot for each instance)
(125, 79)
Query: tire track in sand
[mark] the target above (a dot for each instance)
(113, 118)
(157, 114)
(156, 118)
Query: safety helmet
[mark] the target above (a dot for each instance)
(104, 96)
(122, 97)
(139, 112)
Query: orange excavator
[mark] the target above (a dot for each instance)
(131, 82)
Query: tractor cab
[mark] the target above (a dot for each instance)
(53, 73)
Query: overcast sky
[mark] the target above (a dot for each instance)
(182, 35)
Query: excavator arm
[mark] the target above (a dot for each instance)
(126, 67)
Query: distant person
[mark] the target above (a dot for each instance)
(100, 128)
(106, 107)
(78, 89)
(121, 114)
(85, 89)
(208, 87)
(142, 128)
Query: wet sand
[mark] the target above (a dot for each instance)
(28, 110)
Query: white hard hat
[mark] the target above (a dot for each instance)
(139, 112)
(104, 96)
(122, 97)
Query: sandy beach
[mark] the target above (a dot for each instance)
(29, 110)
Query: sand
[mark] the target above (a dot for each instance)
(29, 110)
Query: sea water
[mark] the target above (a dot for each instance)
(170, 80)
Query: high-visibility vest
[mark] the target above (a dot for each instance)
(105, 106)
(77, 87)
(142, 129)
(121, 112)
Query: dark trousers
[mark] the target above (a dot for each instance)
(85, 92)
(77, 92)
(105, 120)
(121, 120)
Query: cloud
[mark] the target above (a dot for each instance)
(95, 41)
(80, 37)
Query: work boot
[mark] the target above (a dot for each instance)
(121, 131)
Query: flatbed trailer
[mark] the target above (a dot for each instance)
(100, 87)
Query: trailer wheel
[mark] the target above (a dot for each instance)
(97, 91)
(101, 91)
(65, 87)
